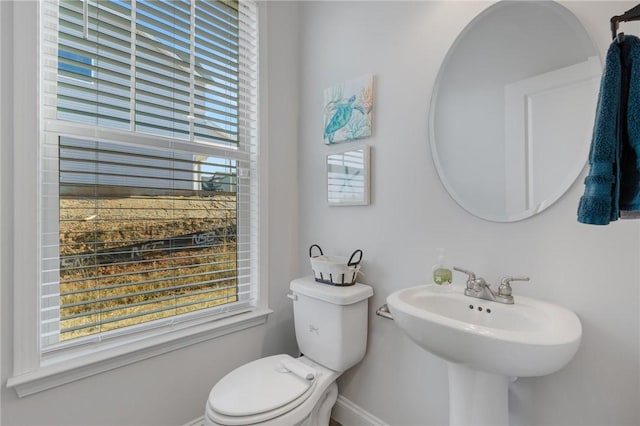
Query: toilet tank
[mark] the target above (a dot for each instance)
(331, 322)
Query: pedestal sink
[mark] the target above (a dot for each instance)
(486, 344)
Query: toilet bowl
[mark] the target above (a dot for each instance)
(263, 393)
(331, 330)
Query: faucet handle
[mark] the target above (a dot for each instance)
(471, 276)
(505, 285)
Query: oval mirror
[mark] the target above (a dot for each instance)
(513, 108)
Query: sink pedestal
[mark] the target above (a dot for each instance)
(477, 398)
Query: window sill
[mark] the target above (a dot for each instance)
(61, 373)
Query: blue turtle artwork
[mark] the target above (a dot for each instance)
(348, 118)
(341, 116)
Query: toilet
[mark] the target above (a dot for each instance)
(280, 390)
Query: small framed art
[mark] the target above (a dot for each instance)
(348, 177)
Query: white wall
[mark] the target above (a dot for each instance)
(591, 270)
(172, 389)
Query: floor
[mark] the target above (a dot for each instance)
(333, 423)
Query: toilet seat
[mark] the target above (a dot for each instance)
(258, 391)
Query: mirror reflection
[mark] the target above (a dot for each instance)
(513, 108)
(348, 177)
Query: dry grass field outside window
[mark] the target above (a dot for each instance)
(134, 259)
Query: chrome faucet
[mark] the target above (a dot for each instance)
(477, 287)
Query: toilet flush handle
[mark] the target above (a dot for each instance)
(292, 296)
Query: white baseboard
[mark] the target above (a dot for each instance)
(347, 413)
(196, 422)
(344, 412)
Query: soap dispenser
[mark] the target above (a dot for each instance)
(441, 274)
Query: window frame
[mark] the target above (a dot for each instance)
(30, 374)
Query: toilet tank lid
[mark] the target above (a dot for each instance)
(338, 295)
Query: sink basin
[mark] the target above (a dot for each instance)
(486, 344)
(528, 338)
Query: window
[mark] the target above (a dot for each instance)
(143, 235)
(148, 179)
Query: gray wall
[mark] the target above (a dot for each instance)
(591, 270)
(172, 389)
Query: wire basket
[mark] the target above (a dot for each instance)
(335, 270)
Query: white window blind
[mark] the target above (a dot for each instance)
(149, 166)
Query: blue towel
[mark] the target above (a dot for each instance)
(613, 183)
(630, 166)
